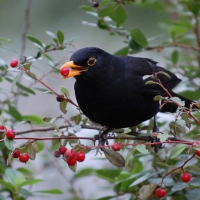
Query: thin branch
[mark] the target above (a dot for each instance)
(173, 44)
(26, 27)
(181, 167)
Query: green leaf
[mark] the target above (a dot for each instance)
(87, 8)
(179, 186)
(115, 12)
(191, 94)
(142, 149)
(9, 143)
(151, 82)
(134, 46)
(165, 74)
(158, 98)
(63, 106)
(101, 24)
(178, 100)
(174, 57)
(14, 113)
(195, 182)
(84, 173)
(177, 150)
(192, 194)
(146, 191)
(139, 37)
(163, 136)
(52, 191)
(186, 117)
(47, 119)
(147, 76)
(34, 119)
(60, 36)
(22, 87)
(128, 156)
(197, 147)
(7, 185)
(35, 40)
(31, 151)
(122, 52)
(194, 7)
(27, 66)
(14, 176)
(114, 157)
(51, 34)
(72, 167)
(40, 146)
(31, 182)
(15, 81)
(64, 91)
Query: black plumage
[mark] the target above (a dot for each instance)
(110, 90)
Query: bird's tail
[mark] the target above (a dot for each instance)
(171, 107)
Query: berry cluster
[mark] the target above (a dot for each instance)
(70, 156)
(161, 192)
(23, 157)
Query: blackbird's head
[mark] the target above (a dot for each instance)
(86, 61)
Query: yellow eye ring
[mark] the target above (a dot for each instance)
(91, 61)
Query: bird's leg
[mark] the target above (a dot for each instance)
(154, 136)
(102, 137)
(155, 128)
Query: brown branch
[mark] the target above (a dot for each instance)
(173, 44)
(181, 167)
(34, 77)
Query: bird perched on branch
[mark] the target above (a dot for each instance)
(111, 90)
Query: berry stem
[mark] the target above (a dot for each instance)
(34, 77)
(181, 167)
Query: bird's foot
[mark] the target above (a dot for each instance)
(155, 139)
(102, 137)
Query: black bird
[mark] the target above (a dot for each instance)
(110, 90)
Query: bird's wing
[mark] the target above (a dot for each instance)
(144, 66)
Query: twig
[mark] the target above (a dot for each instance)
(181, 167)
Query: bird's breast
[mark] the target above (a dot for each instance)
(116, 105)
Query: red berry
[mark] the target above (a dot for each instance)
(16, 153)
(2, 127)
(14, 63)
(185, 177)
(160, 192)
(71, 162)
(24, 157)
(69, 155)
(62, 149)
(80, 156)
(116, 146)
(57, 154)
(64, 71)
(10, 134)
(198, 152)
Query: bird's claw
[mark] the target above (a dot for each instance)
(102, 137)
(154, 139)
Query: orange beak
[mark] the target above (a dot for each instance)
(76, 69)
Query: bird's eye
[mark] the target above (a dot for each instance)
(91, 61)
